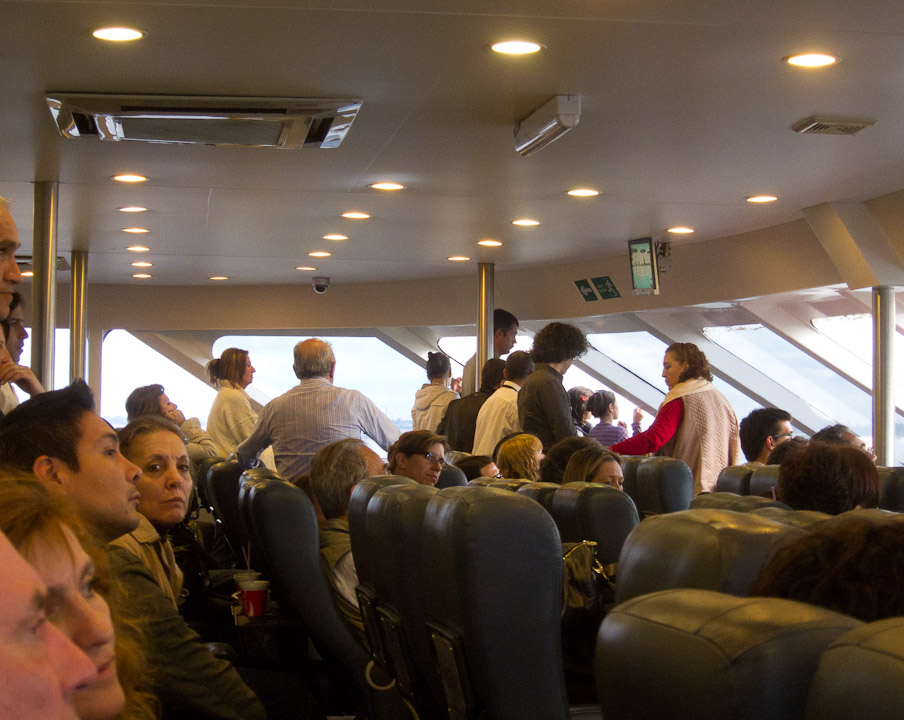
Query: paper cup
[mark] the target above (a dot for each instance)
(254, 597)
(245, 575)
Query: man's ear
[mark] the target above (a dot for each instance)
(47, 469)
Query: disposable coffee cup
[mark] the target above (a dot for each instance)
(254, 597)
(245, 575)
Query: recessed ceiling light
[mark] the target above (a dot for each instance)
(141, 276)
(489, 243)
(133, 209)
(118, 34)
(583, 192)
(681, 230)
(305, 267)
(335, 237)
(525, 222)
(516, 47)
(135, 230)
(218, 277)
(387, 186)
(142, 263)
(761, 198)
(319, 253)
(129, 178)
(811, 60)
(28, 273)
(137, 248)
(459, 258)
(355, 215)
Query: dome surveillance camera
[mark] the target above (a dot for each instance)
(321, 284)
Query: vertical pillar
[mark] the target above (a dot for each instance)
(485, 304)
(883, 375)
(43, 288)
(95, 356)
(78, 337)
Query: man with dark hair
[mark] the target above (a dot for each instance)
(460, 420)
(762, 431)
(543, 405)
(59, 437)
(839, 435)
(313, 414)
(498, 416)
(505, 327)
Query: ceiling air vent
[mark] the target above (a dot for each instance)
(289, 123)
(832, 125)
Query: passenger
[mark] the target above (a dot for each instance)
(231, 419)
(40, 668)
(151, 400)
(44, 529)
(419, 455)
(11, 372)
(9, 269)
(505, 328)
(498, 416)
(519, 458)
(59, 437)
(552, 469)
(431, 401)
(543, 405)
(780, 451)
(842, 435)
(477, 466)
(157, 447)
(578, 397)
(314, 414)
(853, 565)
(460, 423)
(597, 465)
(828, 478)
(763, 430)
(695, 423)
(604, 405)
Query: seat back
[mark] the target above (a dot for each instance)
(451, 476)
(797, 518)
(733, 501)
(702, 655)
(248, 482)
(204, 466)
(706, 549)
(735, 479)
(664, 485)
(357, 508)
(542, 492)
(764, 481)
(591, 511)
(506, 484)
(891, 482)
(493, 580)
(629, 470)
(480, 482)
(863, 669)
(223, 489)
(286, 524)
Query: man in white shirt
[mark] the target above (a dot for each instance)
(314, 414)
(498, 416)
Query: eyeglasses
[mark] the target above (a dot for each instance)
(786, 435)
(432, 457)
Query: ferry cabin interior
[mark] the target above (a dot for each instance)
(687, 112)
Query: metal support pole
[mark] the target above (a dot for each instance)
(78, 338)
(883, 375)
(485, 302)
(43, 288)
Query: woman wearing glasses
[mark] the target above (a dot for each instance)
(419, 455)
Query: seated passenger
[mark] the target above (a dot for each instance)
(828, 478)
(791, 445)
(604, 405)
(419, 455)
(763, 430)
(44, 529)
(151, 400)
(460, 421)
(596, 465)
(842, 435)
(552, 468)
(853, 565)
(11, 372)
(519, 458)
(476, 466)
(431, 401)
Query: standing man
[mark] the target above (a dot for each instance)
(505, 327)
(9, 270)
(314, 414)
(543, 405)
(11, 372)
(498, 416)
(460, 421)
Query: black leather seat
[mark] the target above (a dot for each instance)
(861, 674)
(451, 476)
(664, 485)
(591, 511)
(707, 549)
(629, 470)
(542, 492)
(891, 482)
(223, 493)
(201, 480)
(735, 479)
(480, 482)
(505, 484)
(764, 481)
(797, 518)
(703, 655)
(733, 501)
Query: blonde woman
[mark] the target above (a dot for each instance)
(519, 458)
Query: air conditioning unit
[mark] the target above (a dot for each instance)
(288, 123)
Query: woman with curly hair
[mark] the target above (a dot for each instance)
(519, 458)
(695, 423)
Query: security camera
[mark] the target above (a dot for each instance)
(321, 284)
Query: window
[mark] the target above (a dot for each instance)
(60, 360)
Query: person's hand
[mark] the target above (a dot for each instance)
(20, 375)
(638, 415)
(622, 424)
(175, 416)
(456, 385)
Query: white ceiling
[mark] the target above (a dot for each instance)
(687, 109)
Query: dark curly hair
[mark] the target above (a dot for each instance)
(558, 342)
(697, 364)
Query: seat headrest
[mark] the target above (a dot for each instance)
(663, 485)
(733, 501)
(591, 511)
